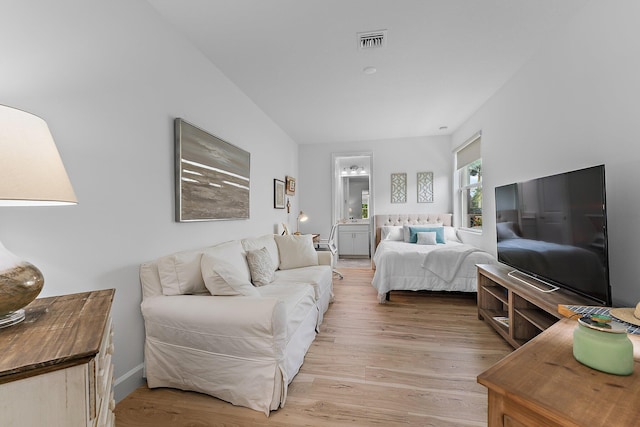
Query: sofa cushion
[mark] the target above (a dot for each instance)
(266, 241)
(318, 276)
(260, 266)
(180, 273)
(222, 278)
(296, 251)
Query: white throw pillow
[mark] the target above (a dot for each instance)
(180, 273)
(222, 278)
(391, 232)
(426, 238)
(296, 251)
(261, 267)
(407, 232)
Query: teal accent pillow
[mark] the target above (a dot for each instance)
(413, 233)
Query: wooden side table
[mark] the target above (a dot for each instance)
(542, 384)
(55, 366)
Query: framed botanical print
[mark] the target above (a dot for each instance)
(278, 194)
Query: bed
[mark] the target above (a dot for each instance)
(399, 265)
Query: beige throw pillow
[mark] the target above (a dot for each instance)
(180, 273)
(267, 241)
(261, 267)
(296, 251)
(221, 277)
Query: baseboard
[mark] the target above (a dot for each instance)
(127, 383)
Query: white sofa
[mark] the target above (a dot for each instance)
(243, 348)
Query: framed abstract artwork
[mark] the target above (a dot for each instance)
(211, 176)
(425, 187)
(278, 194)
(398, 188)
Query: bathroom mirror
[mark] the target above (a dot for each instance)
(352, 180)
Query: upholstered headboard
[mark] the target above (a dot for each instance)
(409, 219)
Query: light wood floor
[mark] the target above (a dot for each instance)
(410, 362)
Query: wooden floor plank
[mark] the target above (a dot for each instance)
(410, 362)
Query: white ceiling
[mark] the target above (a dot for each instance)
(298, 59)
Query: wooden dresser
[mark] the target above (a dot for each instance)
(55, 366)
(542, 384)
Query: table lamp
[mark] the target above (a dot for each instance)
(302, 217)
(31, 174)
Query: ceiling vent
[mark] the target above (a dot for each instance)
(372, 39)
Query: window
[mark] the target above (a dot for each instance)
(469, 164)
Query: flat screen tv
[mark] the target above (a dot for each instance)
(554, 230)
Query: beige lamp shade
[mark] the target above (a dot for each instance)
(31, 174)
(31, 170)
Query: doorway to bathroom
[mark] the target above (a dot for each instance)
(353, 203)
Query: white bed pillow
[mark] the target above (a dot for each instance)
(221, 277)
(296, 251)
(426, 238)
(392, 232)
(406, 234)
(451, 234)
(260, 266)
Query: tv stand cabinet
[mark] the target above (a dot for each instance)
(517, 311)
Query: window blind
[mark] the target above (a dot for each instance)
(468, 154)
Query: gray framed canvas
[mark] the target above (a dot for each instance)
(425, 187)
(212, 176)
(398, 188)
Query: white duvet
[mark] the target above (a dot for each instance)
(412, 267)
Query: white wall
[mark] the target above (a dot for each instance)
(109, 78)
(575, 104)
(410, 155)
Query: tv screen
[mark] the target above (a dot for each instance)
(554, 229)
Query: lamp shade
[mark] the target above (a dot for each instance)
(31, 174)
(31, 170)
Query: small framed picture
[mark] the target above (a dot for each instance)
(290, 186)
(278, 194)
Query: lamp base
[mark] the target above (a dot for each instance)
(12, 318)
(20, 283)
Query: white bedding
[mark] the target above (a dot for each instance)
(412, 267)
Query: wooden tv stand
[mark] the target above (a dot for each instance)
(528, 311)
